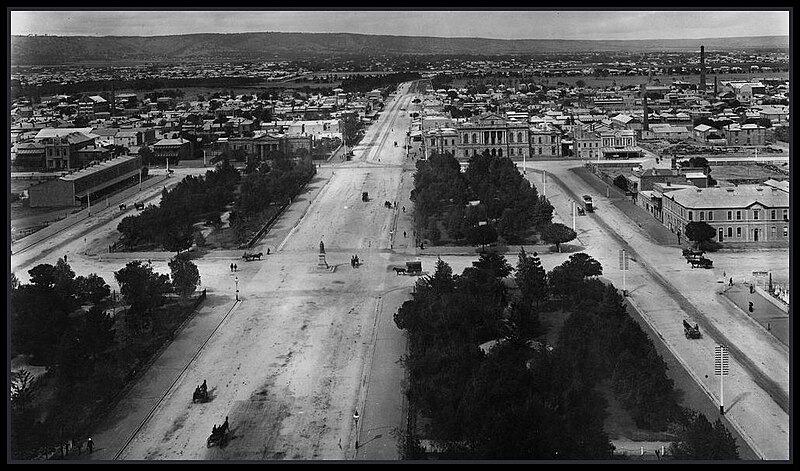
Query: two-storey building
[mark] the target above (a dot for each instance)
(753, 214)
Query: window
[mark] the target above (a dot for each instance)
(755, 213)
(540, 151)
(730, 232)
(730, 215)
(786, 231)
(519, 137)
(474, 138)
(540, 139)
(773, 214)
(739, 232)
(702, 216)
(553, 150)
(711, 215)
(738, 215)
(511, 151)
(511, 137)
(691, 214)
(774, 232)
(785, 214)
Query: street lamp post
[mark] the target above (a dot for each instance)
(356, 417)
(237, 287)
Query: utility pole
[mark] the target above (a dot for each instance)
(623, 266)
(721, 370)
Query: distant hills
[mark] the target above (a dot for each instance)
(51, 50)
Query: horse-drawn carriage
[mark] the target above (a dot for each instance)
(696, 259)
(691, 332)
(200, 395)
(249, 257)
(220, 437)
(411, 268)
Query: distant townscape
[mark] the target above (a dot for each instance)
(557, 249)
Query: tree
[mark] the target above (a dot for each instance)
(143, 289)
(580, 83)
(531, 278)
(146, 154)
(92, 289)
(557, 233)
(698, 439)
(621, 182)
(699, 232)
(185, 276)
(565, 278)
(495, 264)
(351, 127)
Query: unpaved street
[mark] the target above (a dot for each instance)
(288, 364)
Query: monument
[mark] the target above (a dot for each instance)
(322, 263)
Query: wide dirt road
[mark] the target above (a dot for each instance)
(286, 366)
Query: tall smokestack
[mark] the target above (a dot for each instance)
(702, 69)
(715, 85)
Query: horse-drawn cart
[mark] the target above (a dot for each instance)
(249, 257)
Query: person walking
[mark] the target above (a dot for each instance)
(89, 444)
(231, 268)
(731, 282)
(235, 267)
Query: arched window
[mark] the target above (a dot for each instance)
(511, 137)
(519, 137)
(474, 138)
(500, 152)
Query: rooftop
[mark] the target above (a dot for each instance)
(741, 196)
(98, 167)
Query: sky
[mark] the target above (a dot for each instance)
(519, 24)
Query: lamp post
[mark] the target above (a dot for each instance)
(236, 279)
(356, 417)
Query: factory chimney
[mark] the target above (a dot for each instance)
(715, 85)
(702, 88)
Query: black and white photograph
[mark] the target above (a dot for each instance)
(401, 234)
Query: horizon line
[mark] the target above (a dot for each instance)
(393, 35)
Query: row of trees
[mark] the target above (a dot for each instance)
(64, 322)
(366, 83)
(523, 399)
(170, 225)
(508, 205)
(269, 186)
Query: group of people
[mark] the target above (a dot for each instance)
(391, 205)
(234, 267)
(354, 261)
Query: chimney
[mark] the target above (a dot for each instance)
(702, 69)
(715, 85)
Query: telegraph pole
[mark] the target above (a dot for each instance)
(721, 370)
(623, 266)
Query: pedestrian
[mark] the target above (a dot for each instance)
(231, 268)
(768, 327)
(65, 258)
(267, 250)
(79, 445)
(731, 282)
(404, 234)
(89, 444)
(235, 267)
(404, 209)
